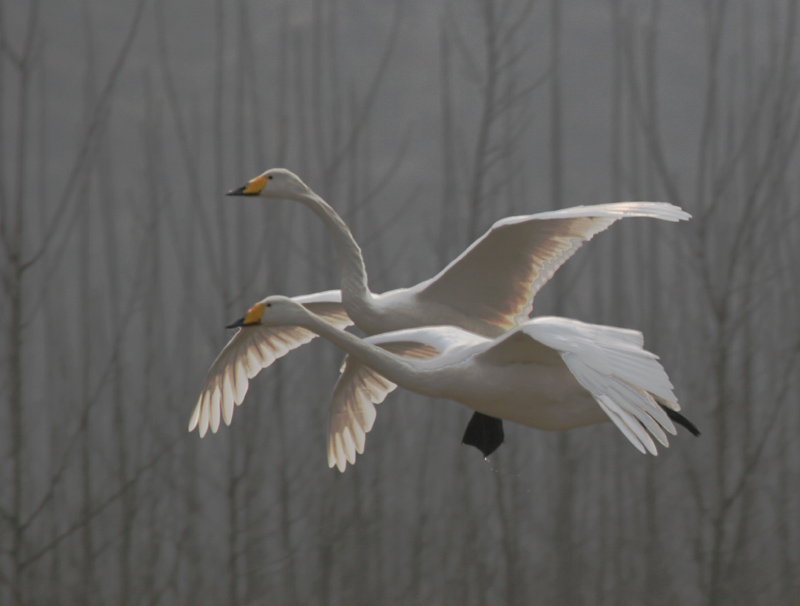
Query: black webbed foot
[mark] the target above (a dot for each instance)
(484, 433)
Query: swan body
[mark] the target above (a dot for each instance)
(488, 290)
(547, 373)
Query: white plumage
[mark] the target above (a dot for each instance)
(548, 373)
(487, 290)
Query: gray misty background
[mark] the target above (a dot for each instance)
(422, 122)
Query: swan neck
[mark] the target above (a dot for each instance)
(352, 272)
(394, 368)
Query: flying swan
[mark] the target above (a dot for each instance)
(487, 290)
(547, 373)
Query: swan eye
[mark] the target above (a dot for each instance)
(269, 304)
(269, 177)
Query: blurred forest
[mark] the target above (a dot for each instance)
(122, 124)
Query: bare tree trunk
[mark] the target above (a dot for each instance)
(565, 586)
(13, 236)
(556, 108)
(17, 451)
(284, 489)
(448, 222)
(87, 541)
(127, 500)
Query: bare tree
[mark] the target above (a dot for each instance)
(738, 177)
(121, 262)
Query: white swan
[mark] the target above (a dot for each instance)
(547, 373)
(487, 290)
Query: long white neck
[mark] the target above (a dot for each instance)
(352, 273)
(396, 369)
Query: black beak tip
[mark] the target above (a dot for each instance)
(237, 192)
(237, 324)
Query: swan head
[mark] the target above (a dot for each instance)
(273, 311)
(274, 183)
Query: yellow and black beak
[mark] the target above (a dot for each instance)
(251, 318)
(253, 187)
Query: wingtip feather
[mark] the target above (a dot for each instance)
(349, 445)
(215, 414)
(227, 410)
(195, 416)
(607, 405)
(204, 412)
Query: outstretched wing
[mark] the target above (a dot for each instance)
(623, 377)
(352, 411)
(497, 277)
(251, 349)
